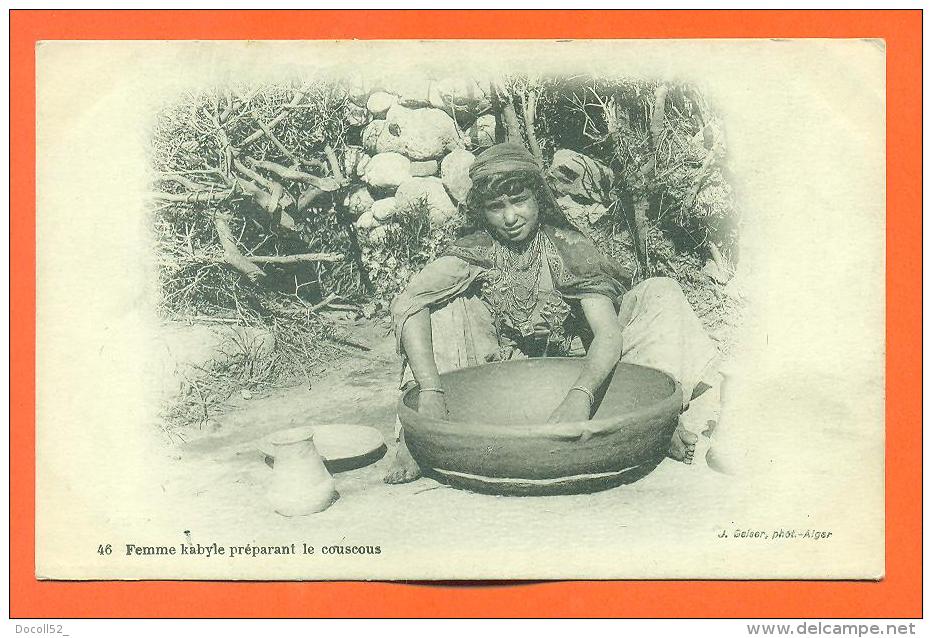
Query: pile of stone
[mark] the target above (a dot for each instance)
(419, 138)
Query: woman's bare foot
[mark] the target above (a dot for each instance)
(404, 468)
(682, 445)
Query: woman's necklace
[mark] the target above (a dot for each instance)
(517, 288)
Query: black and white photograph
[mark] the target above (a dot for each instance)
(460, 310)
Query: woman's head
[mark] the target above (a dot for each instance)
(507, 204)
(509, 195)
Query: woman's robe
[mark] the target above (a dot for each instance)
(659, 328)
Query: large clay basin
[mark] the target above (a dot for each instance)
(498, 440)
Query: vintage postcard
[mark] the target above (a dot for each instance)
(460, 310)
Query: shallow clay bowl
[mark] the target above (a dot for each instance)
(498, 440)
(341, 446)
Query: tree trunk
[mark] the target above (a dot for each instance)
(649, 201)
(529, 104)
(509, 115)
(635, 213)
(497, 111)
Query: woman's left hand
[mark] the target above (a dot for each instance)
(575, 408)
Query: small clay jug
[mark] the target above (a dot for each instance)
(300, 482)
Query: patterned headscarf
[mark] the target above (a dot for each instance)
(509, 157)
(513, 157)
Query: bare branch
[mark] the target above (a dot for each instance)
(326, 184)
(294, 259)
(205, 171)
(658, 114)
(193, 197)
(334, 163)
(184, 181)
(273, 138)
(231, 251)
(251, 174)
(226, 147)
(309, 196)
(326, 302)
(228, 111)
(298, 96)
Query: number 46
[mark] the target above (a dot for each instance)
(104, 550)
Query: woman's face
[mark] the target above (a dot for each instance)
(513, 218)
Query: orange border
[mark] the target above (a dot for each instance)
(898, 595)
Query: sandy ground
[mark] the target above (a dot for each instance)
(218, 480)
(663, 525)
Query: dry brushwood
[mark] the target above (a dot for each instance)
(235, 163)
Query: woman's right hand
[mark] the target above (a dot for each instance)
(433, 405)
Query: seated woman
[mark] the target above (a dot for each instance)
(526, 284)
